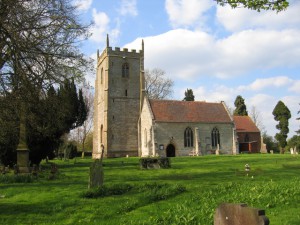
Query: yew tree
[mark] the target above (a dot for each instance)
(240, 106)
(282, 114)
(189, 95)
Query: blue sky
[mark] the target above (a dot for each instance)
(218, 52)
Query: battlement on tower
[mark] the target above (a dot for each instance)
(124, 52)
(117, 51)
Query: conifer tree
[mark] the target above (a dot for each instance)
(240, 107)
(82, 109)
(48, 116)
(189, 95)
(9, 128)
(282, 114)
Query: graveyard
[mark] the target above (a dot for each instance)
(189, 192)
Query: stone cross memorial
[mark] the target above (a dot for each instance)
(239, 214)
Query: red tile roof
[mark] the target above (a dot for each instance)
(244, 124)
(189, 111)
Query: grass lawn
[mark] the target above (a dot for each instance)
(187, 193)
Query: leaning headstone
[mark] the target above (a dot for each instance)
(239, 214)
(96, 172)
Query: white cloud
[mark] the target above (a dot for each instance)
(216, 93)
(189, 54)
(295, 87)
(128, 7)
(240, 18)
(263, 83)
(83, 5)
(186, 12)
(100, 27)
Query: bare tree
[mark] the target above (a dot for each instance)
(39, 42)
(158, 86)
(256, 117)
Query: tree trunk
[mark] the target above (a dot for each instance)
(82, 154)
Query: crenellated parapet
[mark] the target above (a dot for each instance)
(121, 52)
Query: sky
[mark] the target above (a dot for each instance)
(216, 51)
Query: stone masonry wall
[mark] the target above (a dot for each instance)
(147, 138)
(118, 102)
(173, 133)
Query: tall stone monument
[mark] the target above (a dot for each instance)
(22, 149)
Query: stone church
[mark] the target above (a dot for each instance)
(127, 123)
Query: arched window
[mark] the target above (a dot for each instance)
(101, 134)
(125, 70)
(101, 76)
(188, 137)
(145, 138)
(215, 137)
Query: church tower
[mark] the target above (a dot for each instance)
(119, 90)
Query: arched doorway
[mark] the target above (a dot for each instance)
(170, 151)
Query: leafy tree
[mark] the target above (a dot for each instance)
(240, 107)
(89, 141)
(270, 142)
(276, 5)
(282, 114)
(158, 86)
(189, 95)
(293, 142)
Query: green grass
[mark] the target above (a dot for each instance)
(187, 193)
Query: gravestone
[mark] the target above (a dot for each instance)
(239, 214)
(96, 172)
